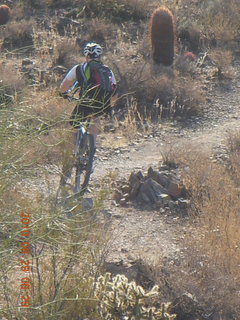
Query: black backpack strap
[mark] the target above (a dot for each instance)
(80, 75)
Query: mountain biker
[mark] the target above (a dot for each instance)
(94, 99)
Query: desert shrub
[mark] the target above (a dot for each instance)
(66, 53)
(35, 4)
(65, 249)
(222, 20)
(233, 141)
(222, 59)
(216, 23)
(19, 35)
(62, 263)
(189, 97)
(162, 31)
(119, 299)
(17, 12)
(60, 3)
(99, 30)
(186, 64)
(209, 263)
(10, 86)
(117, 11)
(233, 153)
(160, 93)
(190, 38)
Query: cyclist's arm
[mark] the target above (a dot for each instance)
(114, 86)
(68, 81)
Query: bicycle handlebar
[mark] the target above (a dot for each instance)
(65, 95)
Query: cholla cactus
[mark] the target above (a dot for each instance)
(123, 300)
(162, 31)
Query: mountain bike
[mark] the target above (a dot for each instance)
(83, 154)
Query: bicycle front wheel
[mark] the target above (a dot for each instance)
(84, 163)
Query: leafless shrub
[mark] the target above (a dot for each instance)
(19, 35)
(222, 20)
(223, 61)
(11, 84)
(59, 3)
(190, 38)
(116, 11)
(233, 141)
(218, 238)
(209, 24)
(209, 262)
(185, 66)
(99, 30)
(159, 92)
(233, 152)
(66, 53)
(17, 12)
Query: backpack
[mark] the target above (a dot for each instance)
(98, 77)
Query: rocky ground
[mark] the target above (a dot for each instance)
(148, 233)
(145, 231)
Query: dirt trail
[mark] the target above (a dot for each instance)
(153, 235)
(156, 234)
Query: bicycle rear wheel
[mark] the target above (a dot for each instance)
(84, 163)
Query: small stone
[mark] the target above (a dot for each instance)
(163, 167)
(87, 204)
(172, 205)
(27, 61)
(117, 196)
(126, 189)
(183, 203)
(123, 202)
(164, 198)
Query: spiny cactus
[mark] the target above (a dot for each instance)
(120, 299)
(4, 14)
(162, 31)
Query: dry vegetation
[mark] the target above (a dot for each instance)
(210, 265)
(67, 248)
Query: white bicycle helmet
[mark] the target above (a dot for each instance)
(93, 50)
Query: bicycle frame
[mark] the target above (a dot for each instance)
(84, 149)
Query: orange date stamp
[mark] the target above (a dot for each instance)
(25, 266)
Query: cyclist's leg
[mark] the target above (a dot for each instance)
(68, 159)
(94, 128)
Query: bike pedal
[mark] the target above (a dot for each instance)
(87, 190)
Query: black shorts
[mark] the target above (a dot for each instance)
(89, 108)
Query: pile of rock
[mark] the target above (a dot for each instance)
(161, 187)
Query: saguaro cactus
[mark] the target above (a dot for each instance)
(162, 36)
(4, 14)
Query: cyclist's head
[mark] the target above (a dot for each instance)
(93, 50)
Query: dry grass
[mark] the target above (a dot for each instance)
(36, 135)
(99, 30)
(208, 24)
(13, 86)
(117, 11)
(233, 152)
(19, 35)
(223, 60)
(67, 245)
(66, 53)
(65, 253)
(161, 92)
(210, 268)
